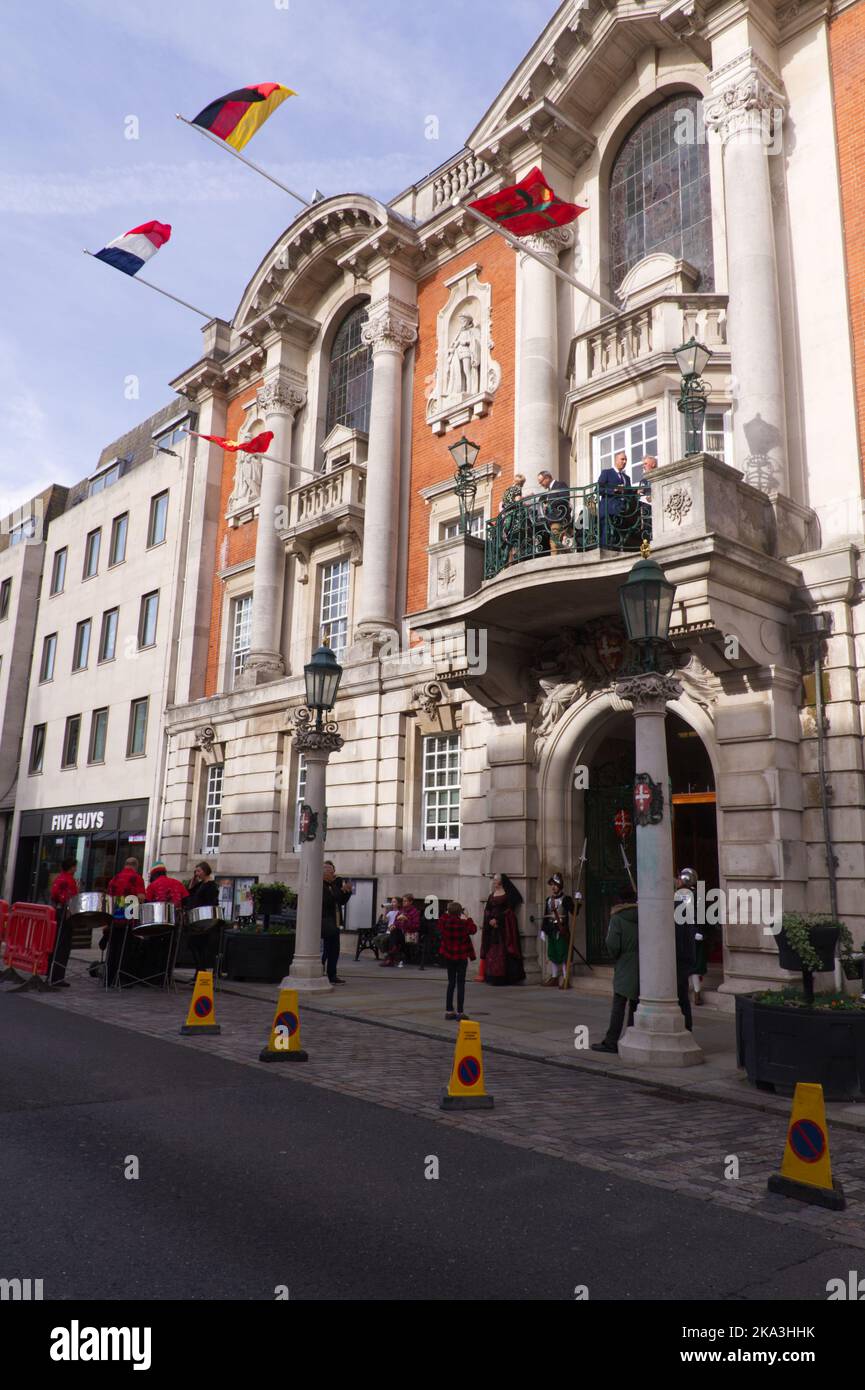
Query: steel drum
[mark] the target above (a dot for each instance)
(201, 919)
(155, 919)
(90, 910)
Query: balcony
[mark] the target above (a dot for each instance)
(330, 505)
(568, 522)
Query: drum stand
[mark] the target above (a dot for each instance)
(164, 976)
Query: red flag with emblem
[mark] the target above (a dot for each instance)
(528, 207)
(259, 445)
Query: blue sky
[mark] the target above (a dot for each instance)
(367, 72)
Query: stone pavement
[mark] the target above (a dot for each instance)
(677, 1140)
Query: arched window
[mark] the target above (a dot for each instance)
(659, 192)
(350, 383)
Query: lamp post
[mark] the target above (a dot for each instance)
(316, 738)
(464, 454)
(691, 358)
(659, 1036)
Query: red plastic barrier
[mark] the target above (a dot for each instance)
(30, 933)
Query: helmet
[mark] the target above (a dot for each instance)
(688, 877)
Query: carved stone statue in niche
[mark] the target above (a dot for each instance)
(464, 360)
(247, 474)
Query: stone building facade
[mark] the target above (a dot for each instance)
(482, 729)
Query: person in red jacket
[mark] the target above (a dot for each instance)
(164, 889)
(64, 887)
(128, 882)
(456, 930)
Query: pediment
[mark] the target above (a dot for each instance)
(578, 64)
(657, 274)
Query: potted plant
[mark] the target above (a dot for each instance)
(788, 1035)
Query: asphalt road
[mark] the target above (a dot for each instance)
(249, 1181)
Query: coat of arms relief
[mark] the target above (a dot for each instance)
(466, 376)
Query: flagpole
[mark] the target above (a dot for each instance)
(223, 146)
(520, 245)
(149, 283)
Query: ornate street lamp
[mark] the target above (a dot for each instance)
(691, 358)
(316, 738)
(646, 600)
(659, 1036)
(464, 454)
(322, 675)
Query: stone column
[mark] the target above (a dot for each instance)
(278, 401)
(747, 113)
(389, 333)
(659, 1036)
(317, 746)
(538, 348)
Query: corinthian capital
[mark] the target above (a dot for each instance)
(649, 691)
(748, 99)
(388, 330)
(280, 396)
(552, 242)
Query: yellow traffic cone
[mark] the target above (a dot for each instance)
(284, 1042)
(201, 1016)
(806, 1170)
(466, 1088)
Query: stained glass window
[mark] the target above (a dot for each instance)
(659, 192)
(350, 385)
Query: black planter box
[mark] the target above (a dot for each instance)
(823, 940)
(780, 1046)
(264, 956)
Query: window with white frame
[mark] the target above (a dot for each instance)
(637, 438)
(449, 529)
(241, 633)
(212, 809)
(300, 793)
(333, 625)
(717, 434)
(441, 791)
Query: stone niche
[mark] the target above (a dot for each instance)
(243, 501)
(466, 377)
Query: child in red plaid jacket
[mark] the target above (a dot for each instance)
(456, 930)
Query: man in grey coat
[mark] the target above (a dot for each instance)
(623, 947)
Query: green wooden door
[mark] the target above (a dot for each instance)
(606, 874)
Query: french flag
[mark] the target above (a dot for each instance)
(130, 251)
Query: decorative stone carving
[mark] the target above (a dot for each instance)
(466, 376)
(309, 738)
(299, 550)
(573, 665)
(446, 575)
(206, 737)
(280, 397)
(428, 697)
(748, 99)
(649, 692)
(679, 503)
(699, 683)
(458, 179)
(351, 527)
(388, 331)
(552, 242)
(558, 696)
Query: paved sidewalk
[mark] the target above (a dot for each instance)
(538, 1023)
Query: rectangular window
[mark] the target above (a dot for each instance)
(636, 437)
(441, 791)
(299, 798)
(24, 531)
(58, 571)
(98, 736)
(119, 528)
(91, 553)
(241, 633)
(70, 740)
(5, 596)
(334, 606)
(158, 519)
(108, 635)
(212, 809)
(147, 620)
(81, 650)
(49, 652)
(37, 748)
(137, 729)
(450, 529)
(717, 434)
(102, 480)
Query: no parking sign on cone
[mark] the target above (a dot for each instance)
(466, 1088)
(201, 1017)
(283, 1045)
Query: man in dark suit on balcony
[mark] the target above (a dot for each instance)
(616, 503)
(555, 513)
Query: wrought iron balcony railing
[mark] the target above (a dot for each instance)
(572, 521)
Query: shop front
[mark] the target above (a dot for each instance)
(98, 837)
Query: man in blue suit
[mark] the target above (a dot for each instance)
(616, 502)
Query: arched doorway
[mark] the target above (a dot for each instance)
(611, 860)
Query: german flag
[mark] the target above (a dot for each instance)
(235, 118)
(528, 207)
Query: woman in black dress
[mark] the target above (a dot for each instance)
(500, 942)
